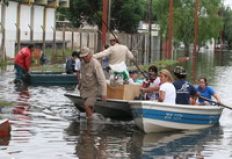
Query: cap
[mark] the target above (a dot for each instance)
(85, 51)
(133, 71)
(113, 37)
(180, 71)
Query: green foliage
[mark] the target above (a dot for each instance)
(125, 14)
(162, 64)
(228, 25)
(2, 62)
(4, 103)
(210, 23)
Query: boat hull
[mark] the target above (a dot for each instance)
(52, 79)
(157, 117)
(115, 109)
(5, 128)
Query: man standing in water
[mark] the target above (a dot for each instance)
(23, 63)
(92, 80)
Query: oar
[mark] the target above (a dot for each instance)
(137, 66)
(217, 103)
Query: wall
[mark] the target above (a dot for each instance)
(10, 28)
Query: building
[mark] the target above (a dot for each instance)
(27, 21)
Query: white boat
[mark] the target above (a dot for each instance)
(152, 116)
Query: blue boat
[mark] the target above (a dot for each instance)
(151, 116)
(52, 79)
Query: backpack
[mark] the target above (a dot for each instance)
(70, 65)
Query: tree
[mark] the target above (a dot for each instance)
(210, 23)
(125, 14)
(228, 25)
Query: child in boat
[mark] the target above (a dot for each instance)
(205, 91)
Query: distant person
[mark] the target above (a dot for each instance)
(22, 63)
(167, 92)
(73, 63)
(206, 91)
(185, 92)
(150, 86)
(92, 80)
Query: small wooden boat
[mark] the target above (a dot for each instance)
(5, 128)
(52, 79)
(112, 108)
(152, 116)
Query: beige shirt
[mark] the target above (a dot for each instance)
(116, 53)
(92, 79)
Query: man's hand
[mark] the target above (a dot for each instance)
(104, 97)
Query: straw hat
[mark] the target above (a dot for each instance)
(113, 37)
(85, 51)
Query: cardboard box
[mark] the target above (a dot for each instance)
(123, 92)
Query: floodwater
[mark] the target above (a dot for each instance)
(45, 125)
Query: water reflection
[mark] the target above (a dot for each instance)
(187, 144)
(99, 140)
(111, 141)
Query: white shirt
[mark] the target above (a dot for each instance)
(77, 64)
(170, 92)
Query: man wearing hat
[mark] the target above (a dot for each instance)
(117, 53)
(92, 79)
(185, 92)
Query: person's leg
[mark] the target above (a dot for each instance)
(88, 111)
(88, 105)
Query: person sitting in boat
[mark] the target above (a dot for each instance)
(167, 91)
(205, 91)
(185, 92)
(134, 77)
(73, 63)
(150, 86)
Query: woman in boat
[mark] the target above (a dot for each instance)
(150, 87)
(167, 91)
(205, 91)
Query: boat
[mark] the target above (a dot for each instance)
(151, 116)
(112, 108)
(5, 128)
(52, 79)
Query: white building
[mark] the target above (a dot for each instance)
(27, 21)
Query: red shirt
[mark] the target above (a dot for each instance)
(23, 58)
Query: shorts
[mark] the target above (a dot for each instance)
(90, 101)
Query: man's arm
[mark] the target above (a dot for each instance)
(104, 53)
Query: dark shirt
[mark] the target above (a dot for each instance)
(70, 66)
(183, 91)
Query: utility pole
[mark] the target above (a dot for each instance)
(149, 30)
(196, 31)
(196, 27)
(104, 22)
(170, 30)
(109, 14)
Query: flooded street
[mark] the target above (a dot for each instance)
(45, 125)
